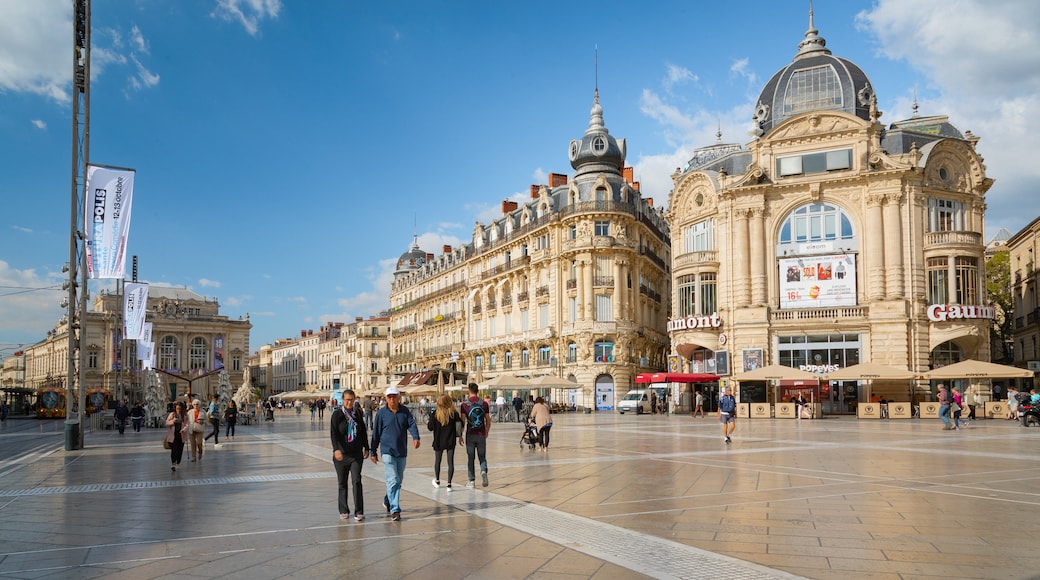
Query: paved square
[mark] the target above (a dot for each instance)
(615, 497)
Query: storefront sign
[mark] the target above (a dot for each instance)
(944, 312)
(818, 369)
(695, 322)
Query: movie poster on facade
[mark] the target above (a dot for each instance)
(751, 358)
(722, 362)
(135, 300)
(106, 220)
(818, 281)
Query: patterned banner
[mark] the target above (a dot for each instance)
(135, 304)
(106, 220)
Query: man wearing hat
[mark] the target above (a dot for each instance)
(390, 430)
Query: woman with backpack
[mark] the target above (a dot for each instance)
(446, 424)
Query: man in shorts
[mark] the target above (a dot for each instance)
(727, 413)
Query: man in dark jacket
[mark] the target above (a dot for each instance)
(390, 430)
(349, 451)
(121, 414)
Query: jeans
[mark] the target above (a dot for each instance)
(476, 446)
(944, 414)
(350, 468)
(215, 422)
(229, 430)
(137, 423)
(393, 469)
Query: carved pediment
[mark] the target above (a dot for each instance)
(815, 124)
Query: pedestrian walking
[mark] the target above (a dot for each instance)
(137, 415)
(971, 400)
(321, 409)
(698, 404)
(944, 406)
(390, 429)
(196, 426)
(177, 433)
(542, 418)
(349, 451)
(446, 424)
(478, 426)
(956, 408)
(121, 414)
(727, 414)
(801, 405)
(314, 409)
(370, 409)
(1012, 404)
(518, 406)
(230, 419)
(214, 419)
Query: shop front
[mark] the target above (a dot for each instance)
(822, 354)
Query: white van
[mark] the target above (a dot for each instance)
(637, 401)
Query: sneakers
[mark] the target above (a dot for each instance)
(396, 516)
(173, 468)
(449, 487)
(470, 485)
(483, 478)
(359, 517)
(436, 483)
(728, 439)
(344, 516)
(386, 504)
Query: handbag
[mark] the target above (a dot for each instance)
(954, 407)
(165, 443)
(197, 428)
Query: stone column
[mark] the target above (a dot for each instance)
(586, 294)
(875, 243)
(893, 246)
(619, 297)
(757, 256)
(741, 257)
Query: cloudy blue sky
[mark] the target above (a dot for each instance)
(286, 151)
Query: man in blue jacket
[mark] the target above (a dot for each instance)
(390, 430)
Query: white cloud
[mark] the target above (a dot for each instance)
(137, 40)
(740, 68)
(22, 229)
(540, 176)
(677, 75)
(983, 61)
(39, 124)
(248, 13)
(144, 77)
(34, 48)
(207, 283)
(28, 303)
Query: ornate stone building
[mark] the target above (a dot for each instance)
(572, 283)
(830, 239)
(191, 339)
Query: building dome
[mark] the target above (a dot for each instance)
(411, 260)
(814, 81)
(597, 151)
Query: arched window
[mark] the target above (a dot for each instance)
(199, 353)
(572, 353)
(816, 222)
(168, 357)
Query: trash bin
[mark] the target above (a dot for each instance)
(72, 441)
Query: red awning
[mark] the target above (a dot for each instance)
(676, 378)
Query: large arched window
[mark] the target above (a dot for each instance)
(168, 357)
(199, 353)
(816, 222)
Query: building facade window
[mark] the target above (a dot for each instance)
(816, 222)
(544, 356)
(945, 215)
(602, 228)
(572, 353)
(812, 89)
(967, 272)
(525, 358)
(92, 358)
(198, 355)
(697, 294)
(938, 280)
(168, 355)
(604, 312)
(699, 237)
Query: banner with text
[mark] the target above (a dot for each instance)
(818, 281)
(106, 220)
(135, 300)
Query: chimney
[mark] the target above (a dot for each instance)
(635, 185)
(556, 180)
(358, 318)
(429, 258)
(508, 206)
(650, 202)
(629, 173)
(446, 249)
(303, 334)
(534, 192)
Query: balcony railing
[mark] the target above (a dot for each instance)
(837, 313)
(953, 238)
(542, 291)
(572, 284)
(693, 258)
(600, 281)
(522, 297)
(520, 262)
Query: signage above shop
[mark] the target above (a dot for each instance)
(944, 312)
(695, 322)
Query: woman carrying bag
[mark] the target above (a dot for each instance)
(176, 434)
(446, 424)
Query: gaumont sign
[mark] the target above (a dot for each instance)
(944, 312)
(695, 322)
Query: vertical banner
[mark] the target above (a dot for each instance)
(106, 220)
(218, 353)
(117, 351)
(135, 301)
(146, 329)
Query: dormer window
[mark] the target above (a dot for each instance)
(819, 162)
(813, 89)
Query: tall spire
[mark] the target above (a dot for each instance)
(718, 134)
(915, 100)
(813, 42)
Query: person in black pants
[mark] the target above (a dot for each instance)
(121, 414)
(214, 419)
(349, 451)
(177, 422)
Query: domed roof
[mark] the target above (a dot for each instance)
(814, 81)
(411, 260)
(597, 151)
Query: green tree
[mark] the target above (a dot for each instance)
(998, 288)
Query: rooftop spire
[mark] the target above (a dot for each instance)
(915, 100)
(813, 42)
(718, 133)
